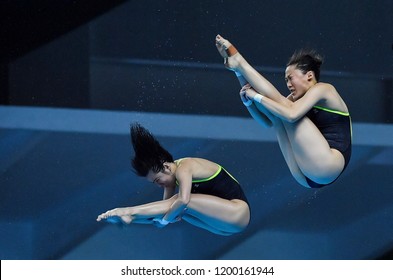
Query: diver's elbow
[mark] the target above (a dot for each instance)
(292, 118)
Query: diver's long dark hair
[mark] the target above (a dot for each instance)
(307, 60)
(149, 154)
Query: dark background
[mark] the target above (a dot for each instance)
(159, 56)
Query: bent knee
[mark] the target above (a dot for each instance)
(242, 215)
(326, 172)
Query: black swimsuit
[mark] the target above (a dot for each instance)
(220, 184)
(336, 127)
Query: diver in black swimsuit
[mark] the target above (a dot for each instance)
(208, 196)
(312, 123)
(221, 184)
(335, 126)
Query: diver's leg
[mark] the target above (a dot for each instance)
(222, 214)
(287, 151)
(235, 61)
(199, 223)
(315, 158)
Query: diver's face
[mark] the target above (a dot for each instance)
(165, 178)
(297, 82)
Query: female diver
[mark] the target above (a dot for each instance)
(312, 123)
(208, 197)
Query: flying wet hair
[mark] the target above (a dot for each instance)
(149, 154)
(307, 60)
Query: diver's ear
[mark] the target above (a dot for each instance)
(310, 75)
(167, 167)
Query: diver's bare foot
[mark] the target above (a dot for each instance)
(126, 219)
(228, 52)
(225, 48)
